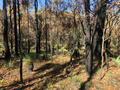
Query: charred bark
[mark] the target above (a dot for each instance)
(88, 44)
(5, 33)
(15, 27)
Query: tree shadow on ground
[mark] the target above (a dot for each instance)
(96, 68)
(55, 75)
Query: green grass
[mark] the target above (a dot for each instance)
(9, 64)
(49, 86)
(1, 81)
(29, 57)
(116, 60)
(109, 75)
(76, 79)
(43, 54)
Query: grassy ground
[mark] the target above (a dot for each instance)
(55, 75)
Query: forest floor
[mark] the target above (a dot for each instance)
(55, 75)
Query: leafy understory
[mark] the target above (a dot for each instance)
(116, 60)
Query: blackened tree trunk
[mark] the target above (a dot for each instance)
(36, 22)
(100, 15)
(56, 37)
(39, 39)
(19, 23)
(11, 28)
(21, 77)
(51, 38)
(5, 33)
(89, 53)
(28, 43)
(46, 25)
(15, 27)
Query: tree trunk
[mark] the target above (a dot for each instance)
(11, 29)
(39, 40)
(99, 26)
(46, 25)
(28, 43)
(19, 23)
(21, 61)
(15, 27)
(89, 53)
(51, 38)
(37, 34)
(5, 33)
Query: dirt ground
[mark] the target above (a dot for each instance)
(56, 75)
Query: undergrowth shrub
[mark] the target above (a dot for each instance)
(116, 60)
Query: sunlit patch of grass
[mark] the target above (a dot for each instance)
(83, 66)
(63, 59)
(29, 57)
(116, 60)
(109, 75)
(49, 85)
(1, 81)
(76, 79)
(10, 63)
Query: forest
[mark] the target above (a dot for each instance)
(59, 44)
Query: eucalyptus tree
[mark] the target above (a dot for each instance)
(36, 22)
(5, 33)
(46, 25)
(59, 6)
(11, 27)
(93, 39)
(99, 21)
(51, 45)
(18, 3)
(15, 27)
(21, 61)
(88, 43)
(73, 6)
(26, 5)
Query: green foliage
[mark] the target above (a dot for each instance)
(76, 79)
(43, 54)
(76, 48)
(109, 75)
(113, 46)
(82, 48)
(116, 60)
(1, 81)
(49, 85)
(9, 64)
(29, 57)
(1, 46)
(62, 49)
